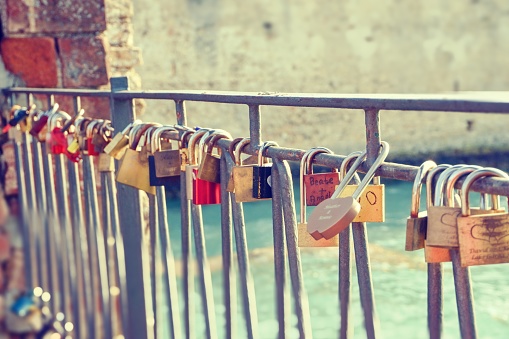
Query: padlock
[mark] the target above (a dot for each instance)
(319, 186)
(333, 215)
(262, 185)
(164, 165)
(102, 136)
(106, 163)
(183, 150)
(372, 202)
(19, 115)
(442, 219)
(210, 165)
(201, 192)
(245, 194)
(483, 239)
(417, 221)
(303, 237)
(92, 129)
(56, 141)
(433, 254)
(133, 170)
(41, 121)
(120, 142)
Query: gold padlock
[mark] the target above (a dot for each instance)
(210, 165)
(166, 159)
(120, 142)
(242, 175)
(432, 254)
(183, 150)
(134, 169)
(304, 238)
(106, 163)
(483, 239)
(442, 220)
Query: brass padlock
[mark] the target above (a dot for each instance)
(417, 221)
(483, 239)
(318, 186)
(304, 238)
(120, 142)
(242, 175)
(210, 165)
(134, 170)
(183, 150)
(164, 162)
(333, 215)
(106, 163)
(433, 254)
(372, 200)
(102, 136)
(250, 160)
(442, 220)
(81, 133)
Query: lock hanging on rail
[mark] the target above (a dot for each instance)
(417, 222)
(210, 165)
(242, 174)
(318, 186)
(201, 192)
(303, 237)
(483, 239)
(164, 162)
(120, 142)
(134, 170)
(262, 180)
(333, 215)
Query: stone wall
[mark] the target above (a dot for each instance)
(70, 44)
(330, 47)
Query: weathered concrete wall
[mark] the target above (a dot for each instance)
(330, 47)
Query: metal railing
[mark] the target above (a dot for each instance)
(86, 236)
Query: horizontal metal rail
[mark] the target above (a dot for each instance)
(466, 102)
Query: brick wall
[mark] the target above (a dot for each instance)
(70, 44)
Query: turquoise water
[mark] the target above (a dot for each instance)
(399, 278)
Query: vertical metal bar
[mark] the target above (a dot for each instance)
(153, 226)
(97, 246)
(185, 221)
(435, 300)
(74, 213)
(373, 137)
(31, 205)
(345, 272)
(229, 290)
(43, 223)
(63, 215)
(364, 277)
(24, 215)
(119, 255)
(246, 278)
(170, 278)
(207, 299)
(279, 253)
(131, 223)
(464, 297)
(53, 224)
(255, 125)
(301, 303)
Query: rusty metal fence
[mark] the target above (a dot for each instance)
(90, 261)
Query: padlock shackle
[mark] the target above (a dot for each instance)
(349, 175)
(231, 147)
(193, 160)
(183, 143)
(212, 140)
(453, 178)
(371, 172)
(262, 149)
(423, 170)
(313, 152)
(238, 150)
(91, 126)
(155, 141)
(53, 118)
(346, 163)
(303, 170)
(149, 134)
(430, 188)
(53, 109)
(471, 178)
(440, 185)
(207, 137)
(72, 120)
(136, 133)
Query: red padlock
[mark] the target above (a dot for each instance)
(91, 129)
(38, 124)
(201, 192)
(318, 186)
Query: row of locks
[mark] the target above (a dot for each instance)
(152, 156)
(148, 159)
